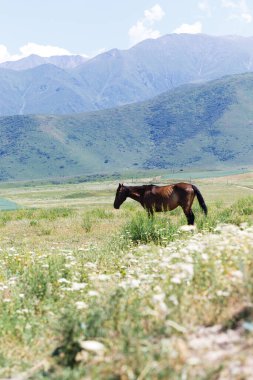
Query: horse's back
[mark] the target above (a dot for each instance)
(161, 198)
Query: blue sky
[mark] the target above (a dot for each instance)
(51, 27)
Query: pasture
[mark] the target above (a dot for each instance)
(89, 292)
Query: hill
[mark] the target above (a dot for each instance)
(120, 77)
(206, 125)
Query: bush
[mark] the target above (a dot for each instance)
(142, 229)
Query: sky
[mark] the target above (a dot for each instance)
(89, 27)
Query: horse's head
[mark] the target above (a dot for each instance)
(121, 195)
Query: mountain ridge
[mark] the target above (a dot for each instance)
(206, 125)
(119, 77)
(34, 60)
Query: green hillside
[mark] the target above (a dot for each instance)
(202, 126)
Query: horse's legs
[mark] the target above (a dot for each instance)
(190, 216)
(150, 213)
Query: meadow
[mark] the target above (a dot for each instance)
(89, 292)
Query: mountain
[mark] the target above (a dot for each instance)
(206, 125)
(120, 77)
(46, 89)
(33, 60)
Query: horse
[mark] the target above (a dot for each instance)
(155, 198)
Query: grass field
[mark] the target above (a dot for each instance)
(89, 292)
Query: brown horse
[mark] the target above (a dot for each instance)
(162, 198)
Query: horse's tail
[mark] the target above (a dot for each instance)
(200, 199)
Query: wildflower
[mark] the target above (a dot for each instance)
(130, 283)
(173, 299)
(63, 280)
(204, 257)
(81, 305)
(93, 293)
(222, 293)
(90, 265)
(160, 306)
(103, 277)
(176, 280)
(78, 286)
(236, 275)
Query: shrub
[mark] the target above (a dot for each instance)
(142, 229)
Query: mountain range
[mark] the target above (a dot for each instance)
(118, 77)
(201, 125)
(33, 60)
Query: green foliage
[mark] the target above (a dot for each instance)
(70, 330)
(116, 287)
(35, 215)
(87, 223)
(92, 217)
(142, 229)
(186, 127)
(79, 195)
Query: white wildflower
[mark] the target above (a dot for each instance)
(80, 305)
(63, 280)
(24, 311)
(236, 275)
(130, 283)
(193, 361)
(93, 293)
(69, 265)
(90, 265)
(133, 283)
(222, 293)
(204, 257)
(158, 298)
(103, 277)
(176, 280)
(160, 306)
(173, 299)
(77, 286)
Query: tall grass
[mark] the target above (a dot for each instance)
(136, 300)
(157, 230)
(162, 229)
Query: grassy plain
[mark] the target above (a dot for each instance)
(114, 295)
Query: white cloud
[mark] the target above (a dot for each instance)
(42, 50)
(32, 48)
(143, 28)
(205, 7)
(228, 4)
(4, 54)
(238, 10)
(154, 14)
(189, 28)
(140, 32)
(247, 17)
